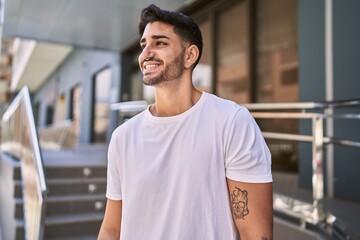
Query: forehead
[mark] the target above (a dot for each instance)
(157, 29)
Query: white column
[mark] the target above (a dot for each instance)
(329, 90)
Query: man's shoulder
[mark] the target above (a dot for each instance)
(222, 105)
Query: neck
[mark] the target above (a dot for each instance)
(174, 99)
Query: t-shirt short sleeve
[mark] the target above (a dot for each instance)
(247, 158)
(113, 187)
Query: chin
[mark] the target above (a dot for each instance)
(152, 81)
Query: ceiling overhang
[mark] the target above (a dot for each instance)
(59, 25)
(43, 59)
(106, 24)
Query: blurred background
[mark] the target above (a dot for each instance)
(78, 60)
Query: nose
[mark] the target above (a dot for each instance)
(146, 53)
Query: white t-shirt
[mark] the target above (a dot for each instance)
(170, 172)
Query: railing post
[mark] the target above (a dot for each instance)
(317, 165)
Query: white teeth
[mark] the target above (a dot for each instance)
(150, 66)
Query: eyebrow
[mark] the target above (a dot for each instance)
(154, 37)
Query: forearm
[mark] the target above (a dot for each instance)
(111, 225)
(257, 225)
(108, 234)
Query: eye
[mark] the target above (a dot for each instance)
(161, 43)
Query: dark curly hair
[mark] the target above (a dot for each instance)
(183, 25)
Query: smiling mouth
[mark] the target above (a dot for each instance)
(150, 66)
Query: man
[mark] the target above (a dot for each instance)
(192, 166)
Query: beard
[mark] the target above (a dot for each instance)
(171, 72)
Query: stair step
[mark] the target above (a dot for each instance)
(72, 226)
(75, 172)
(17, 188)
(67, 186)
(74, 198)
(75, 208)
(73, 219)
(54, 181)
(91, 156)
(61, 187)
(75, 205)
(19, 210)
(20, 230)
(17, 172)
(91, 237)
(70, 198)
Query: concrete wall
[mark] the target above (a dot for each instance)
(79, 68)
(346, 86)
(346, 42)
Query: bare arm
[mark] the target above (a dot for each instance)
(252, 209)
(111, 225)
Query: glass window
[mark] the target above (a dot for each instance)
(232, 70)
(49, 114)
(101, 108)
(277, 73)
(277, 59)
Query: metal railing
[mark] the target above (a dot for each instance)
(58, 136)
(19, 139)
(317, 113)
(128, 109)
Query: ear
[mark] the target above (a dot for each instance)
(191, 55)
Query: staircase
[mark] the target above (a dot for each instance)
(76, 198)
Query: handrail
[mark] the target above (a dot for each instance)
(315, 214)
(19, 139)
(271, 111)
(340, 103)
(280, 106)
(303, 105)
(129, 106)
(124, 109)
(57, 136)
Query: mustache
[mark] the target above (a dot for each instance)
(152, 59)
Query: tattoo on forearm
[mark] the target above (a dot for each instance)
(239, 203)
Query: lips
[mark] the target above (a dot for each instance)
(149, 67)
